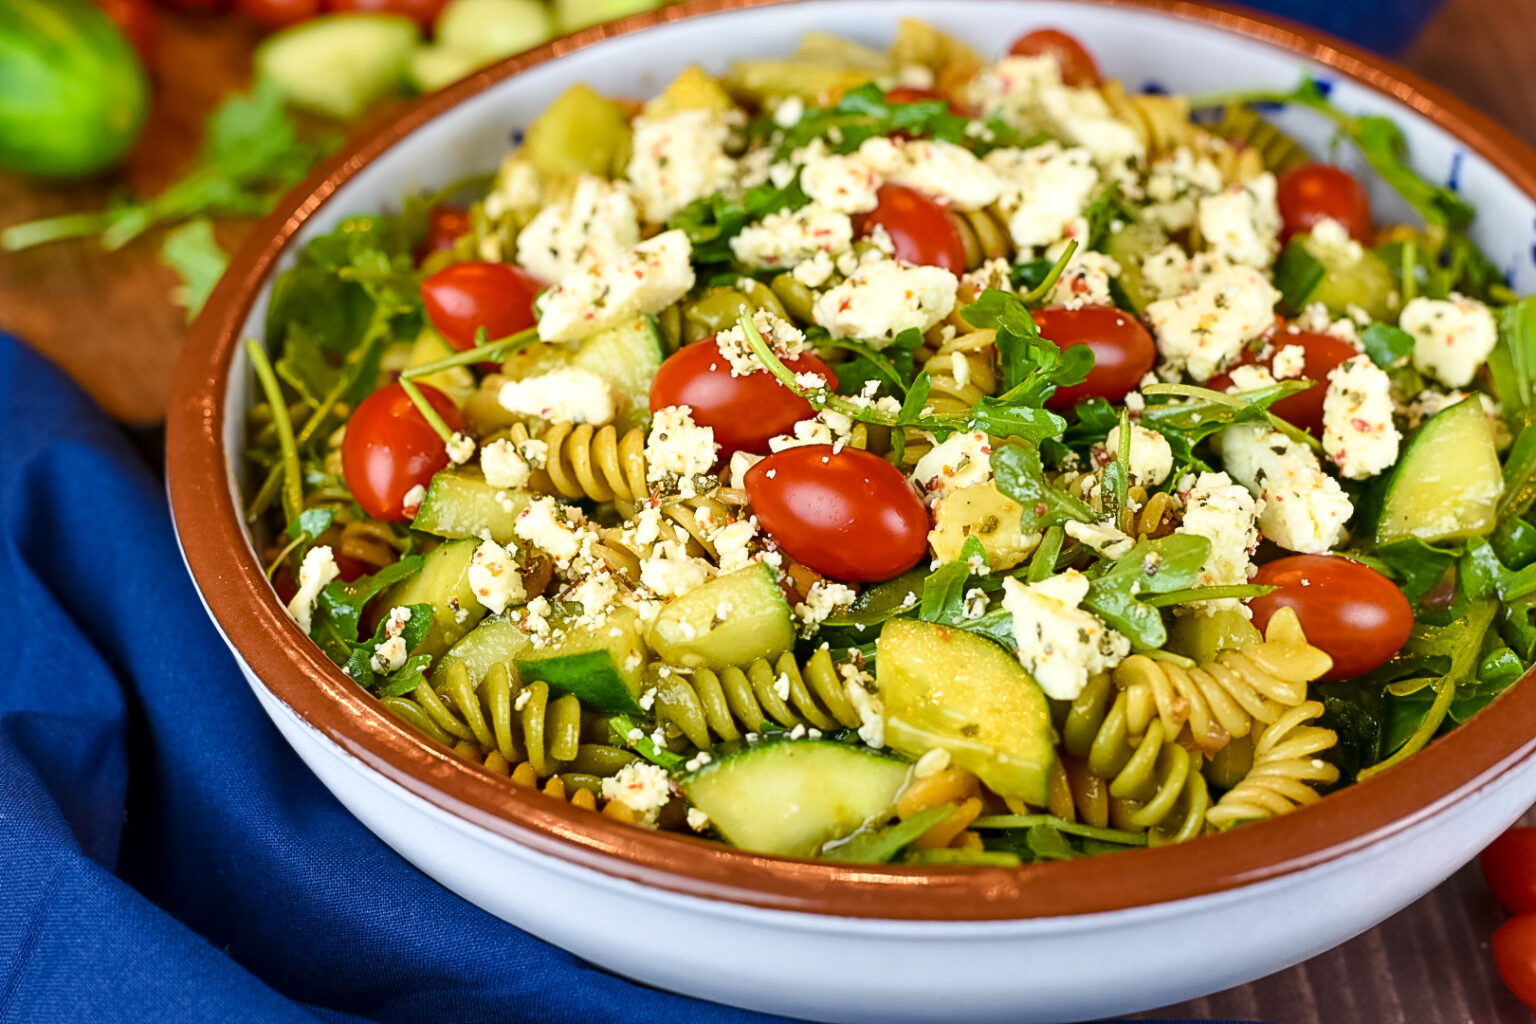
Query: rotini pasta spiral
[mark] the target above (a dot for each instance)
(947, 786)
(961, 371)
(1220, 700)
(1286, 771)
(689, 522)
(1160, 120)
(984, 235)
(706, 705)
(597, 463)
(1246, 130)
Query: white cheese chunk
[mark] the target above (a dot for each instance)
(1060, 644)
(1451, 337)
(843, 184)
(316, 572)
(882, 299)
(962, 459)
(1044, 189)
(596, 223)
(677, 449)
(504, 466)
(1176, 184)
(566, 395)
(1358, 432)
(679, 158)
(1085, 281)
(789, 237)
(942, 170)
(494, 578)
(1203, 330)
(1242, 223)
(642, 787)
(1304, 509)
(1225, 514)
(1151, 454)
(600, 294)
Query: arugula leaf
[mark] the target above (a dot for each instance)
(1513, 361)
(1498, 670)
(866, 112)
(895, 365)
(1297, 275)
(1109, 206)
(359, 663)
(252, 154)
(1483, 575)
(194, 254)
(1151, 567)
(711, 222)
(341, 604)
(1021, 476)
(1386, 345)
(1514, 541)
(1355, 711)
(1417, 566)
(1206, 412)
(945, 588)
(879, 845)
(312, 522)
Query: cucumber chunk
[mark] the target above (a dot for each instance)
(494, 642)
(1129, 247)
(462, 505)
(944, 687)
(338, 64)
(492, 29)
(627, 357)
(442, 582)
(791, 798)
(731, 620)
(582, 132)
(1448, 482)
(1350, 276)
(575, 14)
(599, 665)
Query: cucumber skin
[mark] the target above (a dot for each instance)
(458, 505)
(592, 664)
(492, 642)
(840, 788)
(759, 624)
(1453, 499)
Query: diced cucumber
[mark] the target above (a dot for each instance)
(433, 67)
(457, 382)
(791, 798)
(1129, 247)
(731, 620)
(627, 356)
(694, 89)
(944, 687)
(1350, 276)
(582, 132)
(599, 665)
(1447, 483)
(338, 64)
(462, 504)
(492, 29)
(495, 641)
(442, 582)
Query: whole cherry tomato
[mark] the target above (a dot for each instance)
(1311, 192)
(1077, 64)
(1351, 611)
(137, 20)
(845, 513)
(1509, 865)
(915, 94)
(1514, 954)
(1321, 352)
(279, 13)
(389, 448)
(446, 226)
(423, 12)
(919, 228)
(1123, 351)
(467, 296)
(744, 411)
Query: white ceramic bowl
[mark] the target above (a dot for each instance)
(1042, 943)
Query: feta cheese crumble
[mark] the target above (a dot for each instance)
(1060, 644)
(602, 293)
(504, 466)
(963, 459)
(1225, 514)
(315, 573)
(643, 788)
(1358, 432)
(1304, 508)
(1451, 337)
(494, 578)
(565, 395)
(1203, 330)
(679, 158)
(1242, 223)
(596, 223)
(1044, 189)
(1151, 454)
(880, 300)
(789, 237)
(678, 450)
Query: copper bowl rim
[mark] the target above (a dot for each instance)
(294, 670)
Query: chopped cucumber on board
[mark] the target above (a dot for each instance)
(789, 798)
(469, 34)
(338, 64)
(1447, 484)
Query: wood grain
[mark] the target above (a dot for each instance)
(106, 318)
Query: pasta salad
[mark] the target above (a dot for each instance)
(905, 455)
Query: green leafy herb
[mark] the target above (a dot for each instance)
(865, 113)
(1158, 566)
(893, 367)
(339, 611)
(1417, 567)
(624, 733)
(1297, 275)
(879, 845)
(194, 254)
(1206, 412)
(711, 222)
(359, 663)
(251, 155)
(1021, 476)
(943, 597)
(1387, 346)
(311, 523)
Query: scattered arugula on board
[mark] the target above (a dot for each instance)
(252, 153)
(194, 254)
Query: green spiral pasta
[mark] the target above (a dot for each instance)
(1246, 129)
(707, 705)
(961, 372)
(1286, 770)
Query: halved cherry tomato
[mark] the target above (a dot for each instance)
(1509, 865)
(1077, 64)
(280, 13)
(1321, 352)
(1349, 610)
(845, 513)
(1514, 954)
(1311, 192)
(138, 22)
(467, 296)
(916, 94)
(445, 226)
(744, 411)
(920, 229)
(390, 448)
(1123, 351)
(423, 12)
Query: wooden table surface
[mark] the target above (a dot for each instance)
(106, 318)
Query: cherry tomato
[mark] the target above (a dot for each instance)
(1349, 610)
(1123, 351)
(390, 448)
(279, 13)
(744, 411)
(1509, 865)
(137, 21)
(423, 12)
(1514, 954)
(445, 227)
(466, 296)
(915, 94)
(1321, 352)
(1311, 192)
(919, 228)
(1077, 64)
(846, 514)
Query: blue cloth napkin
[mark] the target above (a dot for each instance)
(165, 857)
(1385, 26)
